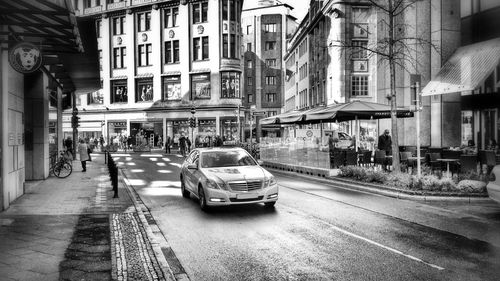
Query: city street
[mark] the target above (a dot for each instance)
(318, 231)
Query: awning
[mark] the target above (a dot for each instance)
(466, 69)
(68, 44)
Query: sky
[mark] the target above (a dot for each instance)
(299, 11)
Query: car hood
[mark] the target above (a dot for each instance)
(237, 173)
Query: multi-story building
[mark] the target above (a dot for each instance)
(340, 68)
(266, 29)
(469, 81)
(160, 59)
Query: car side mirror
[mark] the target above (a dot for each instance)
(192, 166)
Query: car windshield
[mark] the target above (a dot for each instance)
(229, 158)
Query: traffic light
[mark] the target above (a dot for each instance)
(193, 110)
(75, 120)
(192, 122)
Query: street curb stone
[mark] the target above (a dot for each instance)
(153, 239)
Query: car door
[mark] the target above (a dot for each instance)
(192, 174)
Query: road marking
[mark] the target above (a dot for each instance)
(383, 246)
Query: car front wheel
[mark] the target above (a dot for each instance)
(185, 192)
(202, 199)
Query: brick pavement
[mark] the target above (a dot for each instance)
(73, 229)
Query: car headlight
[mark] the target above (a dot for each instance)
(270, 181)
(213, 184)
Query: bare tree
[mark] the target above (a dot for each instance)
(394, 47)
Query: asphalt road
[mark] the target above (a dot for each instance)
(318, 231)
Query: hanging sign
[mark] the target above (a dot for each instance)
(25, 57)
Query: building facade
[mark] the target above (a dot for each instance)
(160, 59)
(340, 67)
(266, 29)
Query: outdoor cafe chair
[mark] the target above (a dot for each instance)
(403, 156)
(380, 158)
(433, 160)
(366, 158)
(351, 157)
(468, 163)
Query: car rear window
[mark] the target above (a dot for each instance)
(229, 158)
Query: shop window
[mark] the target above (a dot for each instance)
(225, 46)
(359, 50)
(172, 51)
(230, 85)
(229, 128)
(95, 98)
(119, 91)
(170, 17)
(359, 85)
(200, 86)
(200, 12)
(144, 90)
(467, 127)
(249, 81)
(144, 21)
(250, 97)
(171, 88)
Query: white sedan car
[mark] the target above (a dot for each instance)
(226, 176)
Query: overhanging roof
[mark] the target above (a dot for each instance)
(466, 69)
(68, 44)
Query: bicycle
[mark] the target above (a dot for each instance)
(60, 166)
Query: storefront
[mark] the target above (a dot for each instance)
(180, 127)
(229, 128)
(146, 132)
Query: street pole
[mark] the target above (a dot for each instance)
(75, 129)
(417, 97)
(239, 124)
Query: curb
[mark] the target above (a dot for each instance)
(349, 185)
(155, 237)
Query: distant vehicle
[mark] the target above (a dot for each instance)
(493, 187)
(226, 176)
(345, 140)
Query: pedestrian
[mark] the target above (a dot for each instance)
(385, 142)
(68, 144)
(182, 144)
(167, 144)
(160, 142)
(129, 142)
(101, 142)
(188, 145)
(84, 154)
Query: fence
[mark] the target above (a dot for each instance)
(310, 152)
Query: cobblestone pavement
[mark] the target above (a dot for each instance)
(73, 229)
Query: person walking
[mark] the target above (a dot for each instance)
(182, 144)
(167, 144)
(385, 142)
(84, 154)
(188, 145)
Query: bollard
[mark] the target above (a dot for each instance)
(113, 174)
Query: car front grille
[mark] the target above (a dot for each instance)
(245, 185)
(246, 200)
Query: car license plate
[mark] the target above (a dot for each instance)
(246, 196)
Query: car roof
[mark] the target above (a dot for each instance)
(206, 149)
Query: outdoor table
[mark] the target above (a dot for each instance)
(448, 161)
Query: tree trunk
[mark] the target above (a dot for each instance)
(392, 68)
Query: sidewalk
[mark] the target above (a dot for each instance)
(73, 229)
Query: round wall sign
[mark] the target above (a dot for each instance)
(144, 37)
(119, 40)
(309, 133)
(25, 57)
(171, 34)
(201, 29)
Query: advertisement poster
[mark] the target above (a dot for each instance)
(200, 85)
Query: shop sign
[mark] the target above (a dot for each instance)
(25, 58)
(118, 124)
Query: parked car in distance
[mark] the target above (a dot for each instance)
(226, 176)
(493, 187)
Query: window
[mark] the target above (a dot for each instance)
(249, 47)
(272, 113)
(270, 97)
(119, 91)
(359, 86)
(225, 10)
(100, 59)
(225, 46)
(250, 97)
(171, 88)
(172, 51)
(233, 46)
(270, 80)
(144, 91)
(232, 10)
(170, 17)
(145, 54)
(118, 25)
(359, 49)
(144, 21)
(200, 48)
(249, 29)
(200, 12)
(271, 62)
(95, 98)
(249, 64)
(270, 27)
(119, 57)
(270, 45)
(249, 81)
(230, 85)
(200, 86)
(98, 25)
